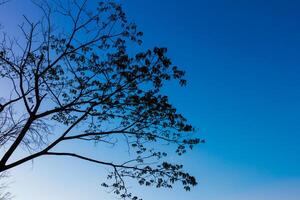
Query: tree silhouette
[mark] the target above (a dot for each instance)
(80, 76)
(4, 194)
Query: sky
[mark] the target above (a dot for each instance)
(243, 95)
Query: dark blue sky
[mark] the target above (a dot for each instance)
(242, 60)
(243, 66)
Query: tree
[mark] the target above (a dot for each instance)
(4, 194)
(81, 77)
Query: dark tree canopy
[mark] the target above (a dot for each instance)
(83, 76)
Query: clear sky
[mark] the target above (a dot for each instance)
(242, 59)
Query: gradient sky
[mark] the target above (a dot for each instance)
(242, 60)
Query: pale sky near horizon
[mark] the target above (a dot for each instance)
(243, 65)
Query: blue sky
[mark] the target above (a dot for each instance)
(243, 65)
